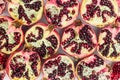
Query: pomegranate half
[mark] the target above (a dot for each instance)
(43, 38)
(59, 67)
(11, 37)
(26, 12)
(23, 65)
(61, 13)
(109, 43)
(99, 12)
(79, 40)
(92, 68)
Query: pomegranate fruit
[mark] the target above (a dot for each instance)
(109, 43)
(115, 75)
(79, 40)
(59, 67)
(61, 13)
(2, 6)
(26, 11)
(11, 37)
(99, 12)
(3, 59)
(43, 38)
(23, 65)
(92, 68)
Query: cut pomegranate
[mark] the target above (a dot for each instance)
(99, 12)
(3, 59)
(115, 75)
(23, 65)
(61, 13)
(11, 37)
(43, 38)
(2, 6)
(92, 68)
(59, 67)
(109, 43)
(26, 11)
(79, 40)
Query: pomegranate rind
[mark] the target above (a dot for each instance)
(11, 28)
(98, 21)
(14, 14)
(66, 59)
(27, 57)
(76, 30)
(103, 67)
(64, 23)
(46, 34)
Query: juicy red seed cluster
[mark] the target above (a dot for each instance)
(118, 37)
(32, 38)
(2, 76)
(92, 9)
(3, 59)
(22, 14)
(53, 41)
(57, 18)
(26, 1)
(116, 68)
(36, 5)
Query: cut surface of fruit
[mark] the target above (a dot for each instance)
(61, 13)
(99, 12)
(109, 43)
(79, 41)
(23, 65)
(11, 37)
(43, 38)
(92, 68)
(26, 11)
(60, 67)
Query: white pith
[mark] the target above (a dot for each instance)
(63, 22)
(46, 33)
(10, 33)
(64, 59)
(114, 32)
(84, 51)
(98, 21)
(28, 12)
(28, 66)
(87, 71)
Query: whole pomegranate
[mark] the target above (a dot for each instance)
(59, 67)
(2, 6)
(3, 59)
(43, 38)
(11, 37)
(92, 68)
(26, 12)
(115, 75)
(99, 12)
(79, 40)
(61, 13)
(23, 65)
(109, 43)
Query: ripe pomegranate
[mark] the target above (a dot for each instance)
(61, 13)
(59, 67)
(115, 75)
(23, 65)
(79, 40)
(109, 43)
(2, 6)
(92, 68)
(99, 12)
(11, 37)
(26, 11)
(3, 59)
(43, 38)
